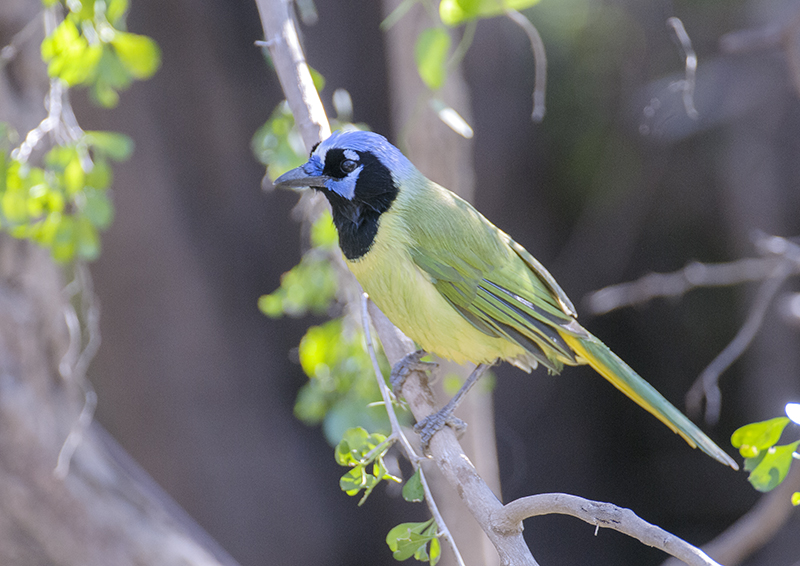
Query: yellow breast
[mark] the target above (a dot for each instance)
(408, 298)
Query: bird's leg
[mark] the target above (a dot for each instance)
(409, 362)
(432, 424)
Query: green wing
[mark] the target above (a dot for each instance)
(499, 287)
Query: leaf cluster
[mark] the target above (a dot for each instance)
(63, 204)
(91, 48)
(766, 460)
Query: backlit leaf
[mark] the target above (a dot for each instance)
(430, 54)
(772, 467)
(753, 438)
(456, 12)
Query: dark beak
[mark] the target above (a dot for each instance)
(298, 179)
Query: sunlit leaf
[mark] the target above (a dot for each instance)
(139, 54)
(772, 466)
(430, 54)
(456, 12)
(413, 490)
(406, 539)
(753, 438)
(118, 147)
(796, 498)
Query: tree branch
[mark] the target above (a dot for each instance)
(603, 515)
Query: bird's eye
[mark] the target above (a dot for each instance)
(348, 165)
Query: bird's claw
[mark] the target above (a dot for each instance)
(402, 369)
(435, 422)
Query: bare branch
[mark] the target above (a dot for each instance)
(676, 284)
(707, 384)
(293, 73)
(603, 515)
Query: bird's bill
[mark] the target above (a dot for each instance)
(297, 179)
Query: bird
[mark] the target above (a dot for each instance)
(452, 281)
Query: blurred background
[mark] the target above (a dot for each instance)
(617, 182)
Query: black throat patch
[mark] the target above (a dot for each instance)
(357, 220)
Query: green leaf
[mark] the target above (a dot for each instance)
(118, 147)
(430, 54)
(753, 438)
(323, 232)
(87, 241)
(796, 498)
(771, 466)
(406, 539)
(413, 490)
(97, 208)
(317, 79)
(139, 54)
(63, 242)
(74, 176)
(115, 11)
(456, 12)
(435, 551)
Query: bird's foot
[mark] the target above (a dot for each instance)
(435, 422)
(402, 369)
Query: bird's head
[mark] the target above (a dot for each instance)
(355, 166)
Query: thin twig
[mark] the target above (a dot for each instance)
(687, 85)
(601, 515)
(707, 384)
(398, 433)
(75, 361)
(540, 62)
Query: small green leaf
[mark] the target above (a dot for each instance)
(772, 466)
(406, 539)
(456, 12)
(139, 54)
(317, 79)
(118, 147)
(86, 239)
(323, 232)
(97, 208)
(435, 551)
(412, 490)
(430, 54)
(796, 498)
(74, 176)
(115, 11)
(751, 439)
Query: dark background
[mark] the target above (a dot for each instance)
(199, 387)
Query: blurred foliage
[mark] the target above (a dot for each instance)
(62, 203)
(91, 48)
(768, 462)
(456, 12)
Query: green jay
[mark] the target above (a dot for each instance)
(452, 281)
